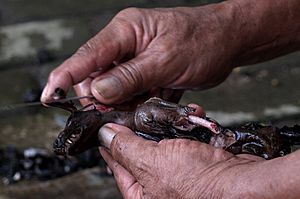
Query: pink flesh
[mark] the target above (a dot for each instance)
(103, 108)
(100, 107)
(205, 123)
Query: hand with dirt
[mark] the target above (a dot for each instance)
(142, 49)
(176, 48)
(180, 168)
(184, 48)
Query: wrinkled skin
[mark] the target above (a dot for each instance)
(157, 119)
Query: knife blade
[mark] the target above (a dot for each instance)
(24, 105)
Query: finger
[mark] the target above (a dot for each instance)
(97, 54)
(132, 152)
(199, 111)
(126, 182)
(83, 89)
(132, 77)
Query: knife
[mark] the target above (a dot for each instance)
(24, 105)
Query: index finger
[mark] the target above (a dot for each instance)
(96, 55)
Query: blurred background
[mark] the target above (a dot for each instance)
(36, 36)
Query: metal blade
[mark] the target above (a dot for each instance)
(24, 105)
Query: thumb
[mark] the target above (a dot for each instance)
(134, 153)
(132, 77)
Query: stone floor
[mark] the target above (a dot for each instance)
(36, 36)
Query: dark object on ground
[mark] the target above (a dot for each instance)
(41, 164)
(157, 119)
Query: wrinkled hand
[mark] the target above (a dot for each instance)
(146, 49)
(176, 168)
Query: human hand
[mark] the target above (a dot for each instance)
(146, 49)
(175, 168)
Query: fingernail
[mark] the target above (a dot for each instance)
(44, 96)
(105, 136)
(59, 93)
(108, 87)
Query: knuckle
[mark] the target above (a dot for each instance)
(55, 74)
(125, 21)
(88, 48)
(52, 75)
(220, 154)
(61, 73)
(129, 12)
